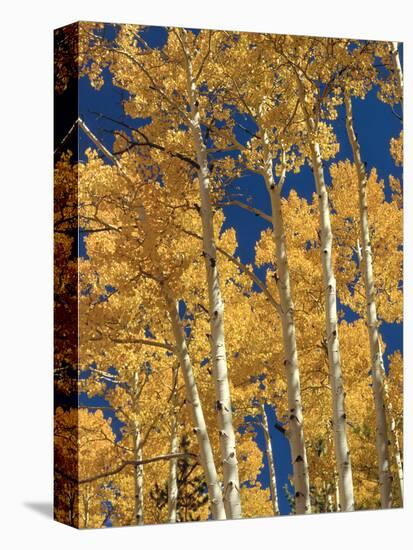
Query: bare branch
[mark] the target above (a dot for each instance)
(124, 464)
(249, 208)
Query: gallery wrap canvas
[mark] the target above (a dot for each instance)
(228, 275)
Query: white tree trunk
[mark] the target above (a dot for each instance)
(394, 438)
(342, 452)
(223, 406)
(398, 459)
(396, 451)
(174, 448)
(382, 439)
(138, 478)
(270, 460)
(295, 424)
(397, 67)
(194, 403)
(336, 492)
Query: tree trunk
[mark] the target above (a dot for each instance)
(342, 452)
(138, 481)
(194, 403)
(336, 493)
(397, 68)
(172, 481)
(394, 438)
(271, 465)
(398, 459)
(382, 439)
(295, 423)
(223, 406)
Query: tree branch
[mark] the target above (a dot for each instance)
(122, 466)
(251, 209)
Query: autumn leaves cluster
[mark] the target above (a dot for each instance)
(179, 350)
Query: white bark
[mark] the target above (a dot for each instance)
(137, 453)
(398, 459)
(138, 477)
(223, 406)
(382, 439)
(194, 403)
(342, 452)
(336, 493)
(174, 448)
(394, 437)
(270, 460)
(295, 424)
(397, 68)
(398, 462)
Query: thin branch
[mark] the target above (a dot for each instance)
(251, 209)
(140, 341)
(124, 464)
(143, 342)
(147, 141)
(99, 144)
(65, 137)
(198, 74)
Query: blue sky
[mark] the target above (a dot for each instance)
(375, 125)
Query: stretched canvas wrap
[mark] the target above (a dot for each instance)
(228, 275)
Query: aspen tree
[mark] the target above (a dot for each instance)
(270, 460)
(174, 448)
(207, 459)
(170, 93)
(382, 438)
(396, 450)
(181, 350)
(339, 413)
(259, 152)
(138, 477)
(394, 398)
(216, 499)
(397, 457)
(295, 425)
(231, 492)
